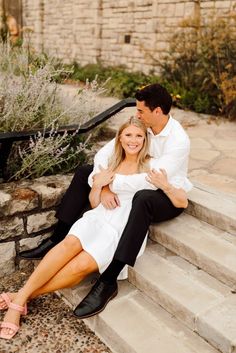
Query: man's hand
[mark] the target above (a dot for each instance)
(158, 179)
(104, 177)
(109, 200)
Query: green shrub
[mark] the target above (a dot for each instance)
(199, 72)
(201, 67)
(119, 82)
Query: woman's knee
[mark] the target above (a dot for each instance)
(83, 265)
(71, 242)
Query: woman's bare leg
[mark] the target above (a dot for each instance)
(52, 262)
(70, 275)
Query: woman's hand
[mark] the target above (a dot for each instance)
(158, 179)
(103, 178)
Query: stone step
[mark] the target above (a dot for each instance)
(203, 304)
(132, 323)
(203, 245)
(213, 207)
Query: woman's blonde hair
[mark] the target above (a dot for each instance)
(119, 153)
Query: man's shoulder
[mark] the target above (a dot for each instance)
(107, 148)
(178, 130)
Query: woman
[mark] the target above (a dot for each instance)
(92, 240)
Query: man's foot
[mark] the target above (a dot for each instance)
(39, 252)
(96, 300)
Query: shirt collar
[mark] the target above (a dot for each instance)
(165, 131)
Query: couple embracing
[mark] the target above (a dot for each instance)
(138, 178)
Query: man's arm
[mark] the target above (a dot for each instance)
(101, 158)
(177, 196)
(101, 179)
(108, 199)
(172, 159)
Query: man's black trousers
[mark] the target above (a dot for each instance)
(148, 206)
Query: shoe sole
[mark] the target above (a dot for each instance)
(30, 258)
(99, 311)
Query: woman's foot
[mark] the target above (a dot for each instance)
(6, 299)
(10, 324)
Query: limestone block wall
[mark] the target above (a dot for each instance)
(132, 35)
(27, 215)
(66, 29)
(115, 32)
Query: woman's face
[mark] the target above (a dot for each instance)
(132, 139)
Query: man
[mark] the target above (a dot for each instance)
(170, 147)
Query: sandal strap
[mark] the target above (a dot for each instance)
(6, 298)
(17, 307)
(10, 325)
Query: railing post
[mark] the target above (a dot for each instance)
(5, 149)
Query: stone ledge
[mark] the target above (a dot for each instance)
(27, 214)
(24, 196)
(7, 258)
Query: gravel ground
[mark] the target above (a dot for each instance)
(49, 326)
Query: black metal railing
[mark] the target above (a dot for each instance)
(8, 138)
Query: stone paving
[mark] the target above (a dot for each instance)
(49, 326)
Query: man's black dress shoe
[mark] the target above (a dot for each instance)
(96, 300)
(39, 252)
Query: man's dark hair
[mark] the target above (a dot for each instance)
(155, 96)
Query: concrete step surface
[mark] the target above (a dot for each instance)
(201, 244)
(132, 323)
(182, 291)
(201, 302)
(213, 207)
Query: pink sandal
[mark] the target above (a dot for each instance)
(13, 327)
(7, 300)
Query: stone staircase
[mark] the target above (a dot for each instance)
(181, 294)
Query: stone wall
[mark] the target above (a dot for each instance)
(27, 215)
(114, 32)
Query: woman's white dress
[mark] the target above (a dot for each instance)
(100, 229)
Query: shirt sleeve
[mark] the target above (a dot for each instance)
(101, 159)
(131, 183)
(172, 160)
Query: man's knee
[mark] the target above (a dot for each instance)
(143, 196)
(82, 172)
(143, 203)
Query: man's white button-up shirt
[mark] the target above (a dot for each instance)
(169, 150)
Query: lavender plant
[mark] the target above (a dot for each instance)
(29, 100)
(43, 155)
